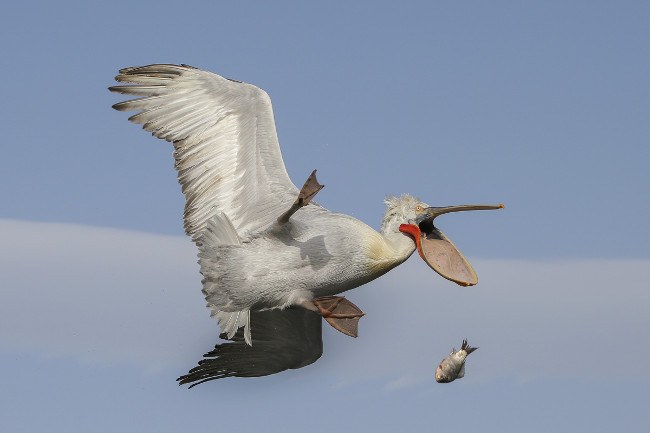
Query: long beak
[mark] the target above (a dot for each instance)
(432, 212)
(437, 250)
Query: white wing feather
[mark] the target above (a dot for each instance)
(225, 143)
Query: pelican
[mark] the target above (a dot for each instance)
(273, 261)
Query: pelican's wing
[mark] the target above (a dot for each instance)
(282, 339)
(225, 143)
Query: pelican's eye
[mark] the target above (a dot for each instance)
(418, 209)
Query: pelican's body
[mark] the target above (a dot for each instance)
(271, 259)
(318, 253)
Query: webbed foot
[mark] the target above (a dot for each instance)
(340, 313)
(307, 193)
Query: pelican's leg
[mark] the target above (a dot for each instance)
(342, 314)
(308, 191)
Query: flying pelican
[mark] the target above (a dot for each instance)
(273, 261)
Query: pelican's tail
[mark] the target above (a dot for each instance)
(219, 232)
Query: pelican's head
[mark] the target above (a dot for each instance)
(401, 210)
(415, 218)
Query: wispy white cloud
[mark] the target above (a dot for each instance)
(113, 296)
(101, 295)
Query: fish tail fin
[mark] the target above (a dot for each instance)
(467, 348)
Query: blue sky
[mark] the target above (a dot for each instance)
(540, 105)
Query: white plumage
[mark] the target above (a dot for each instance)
(225, 144)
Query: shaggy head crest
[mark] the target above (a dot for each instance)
(399, 210)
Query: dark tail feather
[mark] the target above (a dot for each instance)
(282, 339)
(467, 348)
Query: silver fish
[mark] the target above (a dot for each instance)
(453, 366)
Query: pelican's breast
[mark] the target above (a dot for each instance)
(378, 250)
(384, 253)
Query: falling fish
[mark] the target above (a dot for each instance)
(453, 366)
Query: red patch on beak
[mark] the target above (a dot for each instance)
(415, 232)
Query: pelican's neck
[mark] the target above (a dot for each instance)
(401, 244)
(391, 222)
(390, 249)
